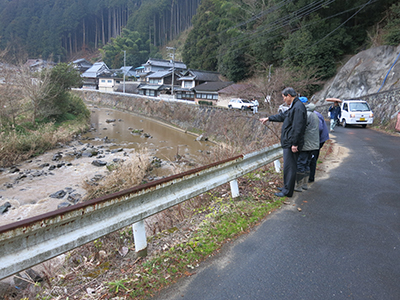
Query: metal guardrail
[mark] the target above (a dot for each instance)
(32, 241)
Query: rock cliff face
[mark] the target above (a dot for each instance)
(364, 74)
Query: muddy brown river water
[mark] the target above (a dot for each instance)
(111, 130)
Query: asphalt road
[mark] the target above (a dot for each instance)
(344, 244)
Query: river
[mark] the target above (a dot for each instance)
(28, 190)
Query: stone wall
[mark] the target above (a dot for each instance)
(385, 105)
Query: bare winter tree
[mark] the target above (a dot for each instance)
(271, 84)
(37, 90)
(10, 97)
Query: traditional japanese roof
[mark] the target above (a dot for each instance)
(235, 88)
(160, 74)
(81, 61)
(155, 87)
(128, 71)
(165, 63)
(212, 86)
(200, 75)
(96, 70)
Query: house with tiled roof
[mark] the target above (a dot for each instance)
(155, 65)
(208, 91)
(91, 76)
(192, 78)
(82, 65)
(159, 82)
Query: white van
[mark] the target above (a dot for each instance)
(356, 112)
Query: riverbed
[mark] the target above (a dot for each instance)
(32, 186)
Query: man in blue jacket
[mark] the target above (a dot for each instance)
(292, 137)
(335, 113)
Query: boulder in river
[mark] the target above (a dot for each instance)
(117, 150)
(14, 170)
(57, 157)
(99, 163)
(4, 208)
(74, 198)
(64, 204)
(59, 195)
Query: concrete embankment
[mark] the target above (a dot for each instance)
(240, 128)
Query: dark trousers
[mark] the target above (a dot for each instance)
(313, 162)
(289, 171)
(303, 163)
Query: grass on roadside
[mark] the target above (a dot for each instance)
(225, 219)
(207, 223)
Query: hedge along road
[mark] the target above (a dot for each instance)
(343, 244)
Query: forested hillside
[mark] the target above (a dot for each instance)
(242, 37)
(238, 38)
(62, 28)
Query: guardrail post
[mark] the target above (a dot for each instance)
(139, 235)
(277, 165)
(234, 188)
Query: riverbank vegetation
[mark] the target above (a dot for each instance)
(38, 111)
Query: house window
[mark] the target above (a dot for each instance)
(209, 96)
(151, 93)
(103, 80)
(215, 97)
(203, 96)
(109, 80)
(154, 81)
(187, 84)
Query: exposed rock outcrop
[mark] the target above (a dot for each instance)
(365, 73)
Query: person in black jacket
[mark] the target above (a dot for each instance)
(292, 137)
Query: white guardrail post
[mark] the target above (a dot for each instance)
(139, 236)
(29, 242)
(234, 188)
(277, 165)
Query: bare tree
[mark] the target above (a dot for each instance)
(270, 85)
(10, 96)
(38, 91)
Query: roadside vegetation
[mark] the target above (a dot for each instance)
(38, 111)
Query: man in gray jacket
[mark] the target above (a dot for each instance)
(311, 143)
(292, 138)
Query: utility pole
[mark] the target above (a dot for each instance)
(123, 90)
(269, 73)
(173, 69)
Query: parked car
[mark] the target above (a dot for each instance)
(282, 108)
(240, 104)
(356, 112)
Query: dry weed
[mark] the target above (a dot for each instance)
(122, 175)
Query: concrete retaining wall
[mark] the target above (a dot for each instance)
(238, 128)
